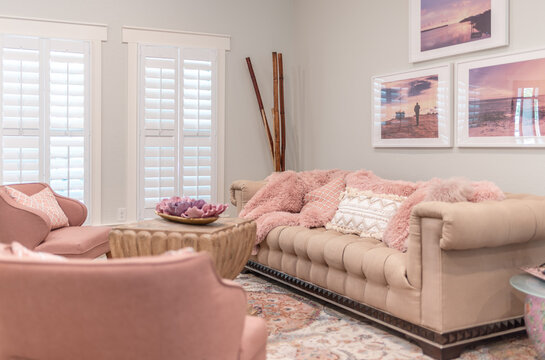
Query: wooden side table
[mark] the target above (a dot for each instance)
(228, 240)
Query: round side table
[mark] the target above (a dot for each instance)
(534, 308)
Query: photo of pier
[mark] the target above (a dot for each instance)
(451, 22)
(409, 108)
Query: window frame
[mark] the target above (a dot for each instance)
(94, 34)
(136, 36)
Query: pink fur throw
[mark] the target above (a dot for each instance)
(449, 190)
(283, 197)
(366, 180)
(271, 220)
(284, 191)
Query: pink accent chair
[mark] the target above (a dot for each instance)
(147, 308)
(32, 228)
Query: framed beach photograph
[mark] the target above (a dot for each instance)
(412, 109)
(501, 101)
(439, 28)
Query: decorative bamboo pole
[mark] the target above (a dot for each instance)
(261, 109)
(282, 113)
(277, 163)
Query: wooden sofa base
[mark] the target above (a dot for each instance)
(441, 346)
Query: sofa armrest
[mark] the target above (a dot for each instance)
(462, 255)
(21, 223)
(243, 190)
(469, 225)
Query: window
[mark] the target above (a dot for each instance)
(179, 122)
(47, 107)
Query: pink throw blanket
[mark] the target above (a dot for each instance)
(281, 200)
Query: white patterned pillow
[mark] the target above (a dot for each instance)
(364, 213)
(44, 201)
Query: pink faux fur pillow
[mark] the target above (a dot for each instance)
(449, 190)
(321, 204)
(366, 180)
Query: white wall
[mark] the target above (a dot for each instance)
(331, 49)
(257, 27)
(341, 44)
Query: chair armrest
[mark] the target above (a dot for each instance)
(75, 211)
(21, 223)
(243, 190)
(468, 225)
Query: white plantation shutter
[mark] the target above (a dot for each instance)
(176, 125)
(199, 125)
(159, 170)
(44, 123)
(67, 130)
(21, 120)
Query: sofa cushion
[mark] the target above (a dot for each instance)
(364, 269)
(43, 200)
(77, 241)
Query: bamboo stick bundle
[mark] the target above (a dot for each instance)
(277, 163)
(261, 108)
(282, 113)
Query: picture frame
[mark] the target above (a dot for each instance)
(439, 28)
(412, 108)
(499, 102)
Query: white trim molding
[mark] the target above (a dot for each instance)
(96, 132)
(186, 39)
(132, 132)
(135, 37)
(52, 28)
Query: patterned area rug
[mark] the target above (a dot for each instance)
(303, 329)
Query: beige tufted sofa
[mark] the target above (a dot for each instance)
(450, 288)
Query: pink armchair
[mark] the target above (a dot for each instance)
(147, 308)
(32, 227)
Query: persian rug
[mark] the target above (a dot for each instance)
(304, 329)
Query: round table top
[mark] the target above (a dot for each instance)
(528, 284)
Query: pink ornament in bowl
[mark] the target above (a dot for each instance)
(189, 210)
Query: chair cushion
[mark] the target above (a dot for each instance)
(44, 201)
(77, 241)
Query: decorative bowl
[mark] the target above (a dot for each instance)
(192, 221)
(189, 211)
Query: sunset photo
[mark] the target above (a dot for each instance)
(451, 22)
(409, 108)
(507, 100)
